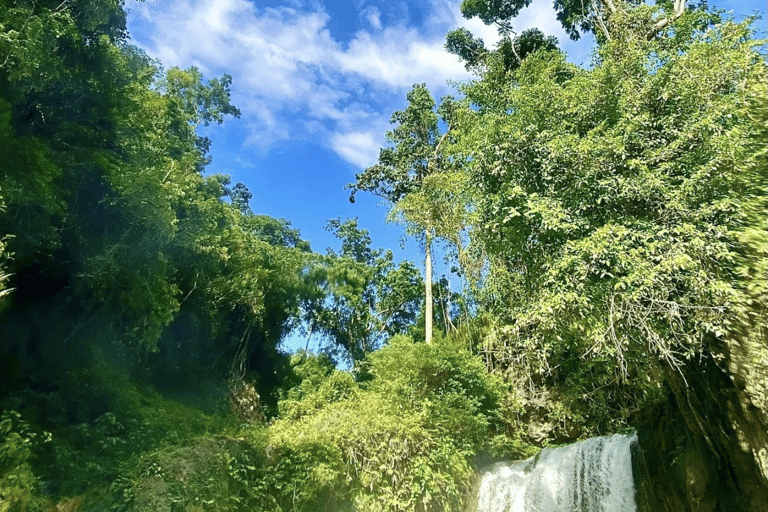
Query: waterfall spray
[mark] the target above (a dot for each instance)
(591, 476)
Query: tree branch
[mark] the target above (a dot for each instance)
(437, 148)
(61, 6)
(610, 6)
(679, 9)
(600, 18)
(173, 162)
(194, 287)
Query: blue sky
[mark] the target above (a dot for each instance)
(316, 83)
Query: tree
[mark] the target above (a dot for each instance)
(509, 52)
(613, 214)
(361, 296)
(116, 234)
(596, 16)
(579, 16)
(240, 197)
(402, 169)
(202, 104)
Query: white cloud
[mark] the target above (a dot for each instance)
(373, 16)
(294, 79)
(398, 58)
(358, 147)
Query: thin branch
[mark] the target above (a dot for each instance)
(194, 287)
(600, 19)
(173, 162)
(437, 148)
(309, 337)
(679, 9)
(61, 6)
(512, 46)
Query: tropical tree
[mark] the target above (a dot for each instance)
(402, 173)
(578, 16)
(361, 296)
(116, 234)
(614, 213)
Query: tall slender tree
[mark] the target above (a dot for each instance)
(414, 155)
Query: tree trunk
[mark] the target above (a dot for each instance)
(428, 290)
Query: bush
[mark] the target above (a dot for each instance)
(302, 401)
(364, 452)
(117, 423)
(444, 381)
(213, 473)
(19, 486)
(399, 442)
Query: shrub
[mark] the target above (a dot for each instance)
(19, 486)
(304, 400)
(130, 421)
(400, 442)
(364, 451)
(444, 381)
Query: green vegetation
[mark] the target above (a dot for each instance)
(399, 441)
(611, 217)
(613, 241)
(360, 296)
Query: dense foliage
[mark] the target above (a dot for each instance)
(361, 296)
(616, 231)
(137, 291)
(613, 240)
(612, 215)
(618, 228)
(400, 441)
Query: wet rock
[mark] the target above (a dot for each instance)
(703, 449)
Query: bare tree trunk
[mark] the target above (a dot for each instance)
(428, 289)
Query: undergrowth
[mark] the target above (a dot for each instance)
(398, 436)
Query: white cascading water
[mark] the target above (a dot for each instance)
(591, 476)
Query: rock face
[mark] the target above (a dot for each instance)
(746, 362)
(706, 449)
(673, 471)
(542, 426)
(245, 402)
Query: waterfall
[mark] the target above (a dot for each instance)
(591, 476)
